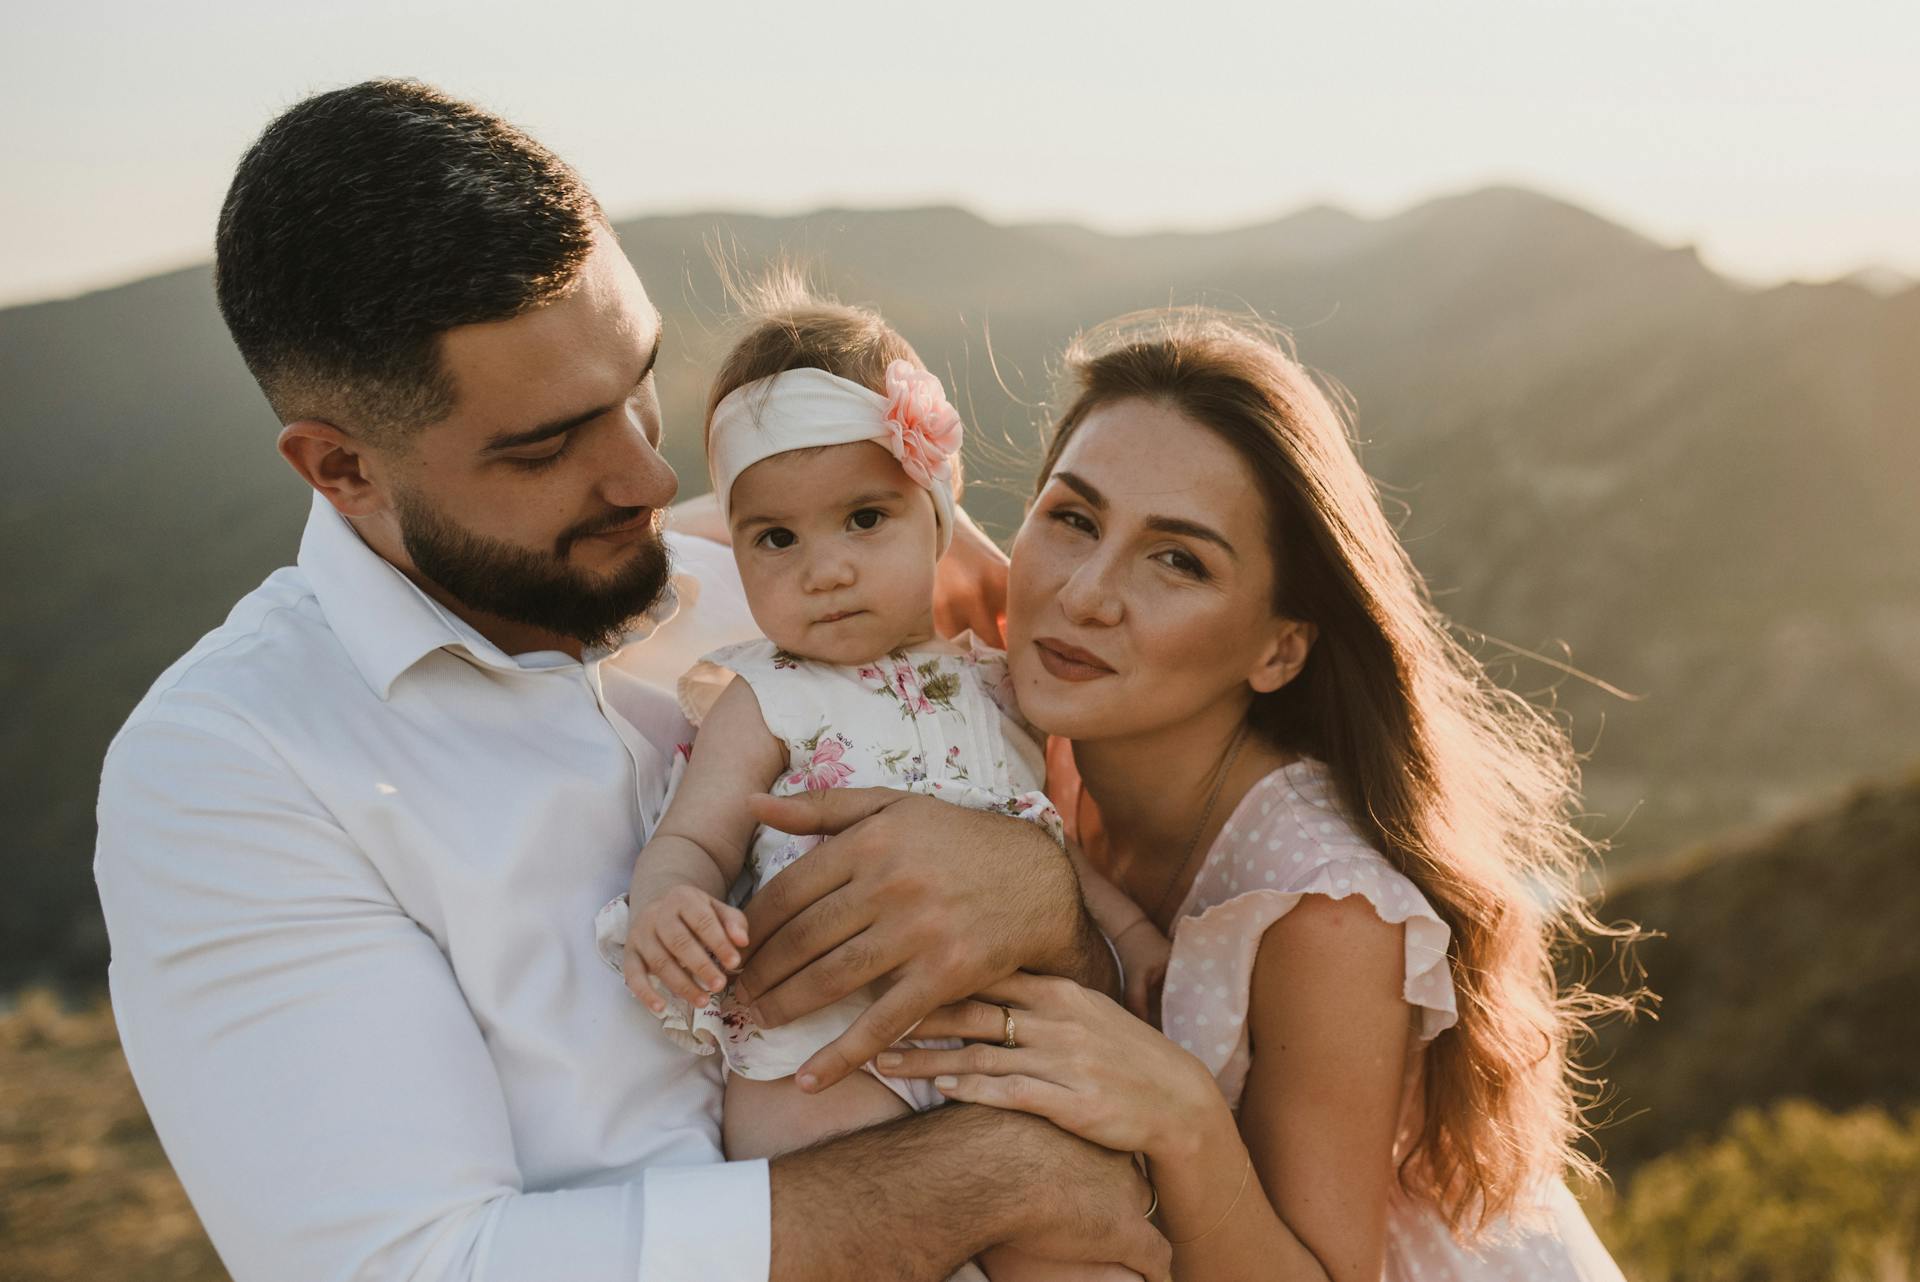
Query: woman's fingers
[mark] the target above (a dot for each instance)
(977, 1059)
(1015, 1093)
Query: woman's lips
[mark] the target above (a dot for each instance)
(1070, 662)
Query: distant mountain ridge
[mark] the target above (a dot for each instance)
(1786, 963)
(1705, 490)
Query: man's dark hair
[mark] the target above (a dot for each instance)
(367, 221)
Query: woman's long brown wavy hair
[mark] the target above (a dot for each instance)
(1466, 787)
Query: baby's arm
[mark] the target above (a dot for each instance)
(681, 929)
(1143, 949)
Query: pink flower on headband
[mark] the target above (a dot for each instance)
(925, 430)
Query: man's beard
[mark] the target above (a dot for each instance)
(541, 591)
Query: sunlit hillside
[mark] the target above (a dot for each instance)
(1703, 492)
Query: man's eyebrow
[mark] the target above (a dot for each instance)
(546, 431)
(1165, 524)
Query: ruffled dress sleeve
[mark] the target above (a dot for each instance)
(1286, 840)
(784, 704)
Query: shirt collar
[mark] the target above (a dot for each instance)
(387, 624)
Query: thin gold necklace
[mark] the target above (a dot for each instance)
(1213, 799)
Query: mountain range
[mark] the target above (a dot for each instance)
(1698, 495)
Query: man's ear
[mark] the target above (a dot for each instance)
(1281, 662)
(338, 466)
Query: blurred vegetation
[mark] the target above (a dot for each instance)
(1792, 1193)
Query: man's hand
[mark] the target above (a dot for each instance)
(1089, 1204)
(970, 584)
(913, 1198)
(940, 900)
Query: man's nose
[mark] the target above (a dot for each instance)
(636, 473)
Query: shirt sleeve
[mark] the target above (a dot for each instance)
(311, 1066)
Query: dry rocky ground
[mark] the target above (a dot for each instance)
(85, 1191)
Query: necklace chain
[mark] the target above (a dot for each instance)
(1213, 798)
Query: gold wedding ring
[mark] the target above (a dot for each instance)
(1008, 1041)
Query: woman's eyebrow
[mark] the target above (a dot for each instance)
(1193, 530)
(1165, 524)
(1084, 488)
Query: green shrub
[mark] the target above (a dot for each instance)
(1793, 1193)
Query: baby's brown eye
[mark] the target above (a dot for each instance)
(867, 518)
(778, 537)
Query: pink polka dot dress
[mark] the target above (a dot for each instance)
(1285, 840)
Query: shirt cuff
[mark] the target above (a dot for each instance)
(707, 1222)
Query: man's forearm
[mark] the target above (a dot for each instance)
(1088, 960)
(909, 1200)
(1083, 954)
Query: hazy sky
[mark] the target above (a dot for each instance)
(1780, 137)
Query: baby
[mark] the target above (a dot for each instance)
(834, 457)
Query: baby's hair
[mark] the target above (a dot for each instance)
(787, 324)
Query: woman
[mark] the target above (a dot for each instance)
(1347, 829)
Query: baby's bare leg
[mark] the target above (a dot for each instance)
(766, 1119)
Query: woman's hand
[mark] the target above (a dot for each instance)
(1079, 1060)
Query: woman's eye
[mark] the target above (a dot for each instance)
(1184, 562)
(1072, 520)
(778, 537)
(867, 518)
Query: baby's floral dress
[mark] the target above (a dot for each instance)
(936, 719)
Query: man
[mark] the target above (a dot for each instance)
(351, 844)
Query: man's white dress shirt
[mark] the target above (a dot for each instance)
(350, 854)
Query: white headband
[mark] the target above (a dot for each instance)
(806, 408)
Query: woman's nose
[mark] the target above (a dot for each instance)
(1089, 595)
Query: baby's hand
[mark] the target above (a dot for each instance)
(1143, 955)
(686, 939)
